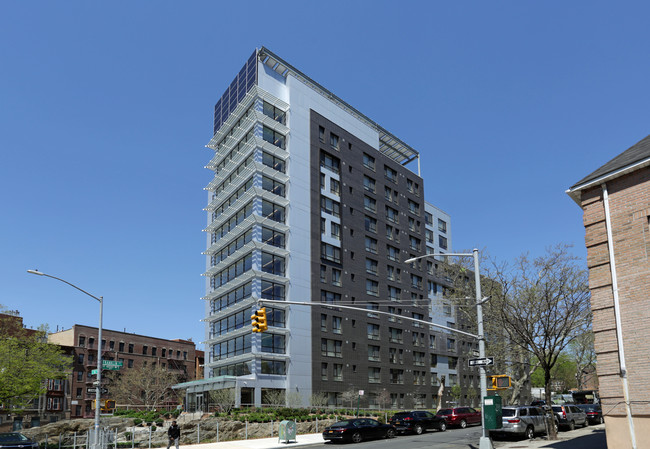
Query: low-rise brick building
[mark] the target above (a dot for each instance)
(132, 350)
(616, 204)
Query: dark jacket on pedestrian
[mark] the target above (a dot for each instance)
(174, 432)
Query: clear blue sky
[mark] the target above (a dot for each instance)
(105, 108)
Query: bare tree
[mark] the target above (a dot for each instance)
(545, 306)
(318, 400)
(224, 399)
(383, 397)
(147, 386)
(276, 397)
(441, 391)
(294, 399)
(349, 396)
(584, 354)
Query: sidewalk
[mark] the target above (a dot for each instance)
(592, 437)
(261, 443)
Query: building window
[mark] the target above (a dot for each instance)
(442, 225)
(371, 266)
(428, 218)
(334, 141)
(329, 206)
(336, 324)
(429, 236)
(394, 293)
(374, 375)
(374, 353)
(82, 341)
(271, 290)
(414, 207)
(392, 215)
(273, 137)
(331, 348)
(369, 162)
(370, 224)
(395, 335)
(130, 363)
(273, 264)
(416, 281)
(372, 306)
(144, 350)
(412, 187)
(373, 331)
(433, 360)
(321, 134)
(323, 274)
(390, 174)
(273, 237)
(371, 245)
(329, 252)
(336, 277)
(332, 163)
(453, 362)
(163, 352)
(273, 186)
(274, 162)
(337, 372)
(414, 243)
(329, 297)
(370, 204)
(323, 322)
(397, 376)
(369, 184)
(392, 253)
(372, 287)
(442, 242)
(392, 233)
(273, 211)
(451, 345)
(273, 343)
(277, 367)
(275, 113)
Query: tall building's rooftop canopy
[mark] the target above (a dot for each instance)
(389, 144)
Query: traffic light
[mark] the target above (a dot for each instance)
(501, 382)
(258, 320)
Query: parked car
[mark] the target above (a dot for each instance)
(594, 413)
(569, 416)
(460, 416)
(357, 430)
(523, 421)
(538, 403)
(16, 440)
(418, 421)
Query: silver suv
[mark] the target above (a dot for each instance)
(569, 416)
(523, 421)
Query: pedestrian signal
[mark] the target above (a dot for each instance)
(501, 382)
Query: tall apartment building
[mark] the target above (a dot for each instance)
(133, 350)
(314, 202)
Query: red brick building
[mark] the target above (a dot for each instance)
(132, 350)
(616, 203)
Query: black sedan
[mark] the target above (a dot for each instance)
(16, 440)
(418, 421)
(594, 413)
(357, 430)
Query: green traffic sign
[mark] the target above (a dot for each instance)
(94, 372)
(112, 364)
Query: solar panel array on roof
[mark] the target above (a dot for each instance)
(245, 79)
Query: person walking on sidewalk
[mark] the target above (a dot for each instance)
(174, 434)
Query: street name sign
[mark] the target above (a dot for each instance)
(485, 361)
(111, 364)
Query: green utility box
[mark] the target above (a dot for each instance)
(492, 410)
(287, 431)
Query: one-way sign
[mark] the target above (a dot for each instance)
(481, 362)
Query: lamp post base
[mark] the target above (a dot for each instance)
(485, 443)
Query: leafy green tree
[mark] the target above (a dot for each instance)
(456, 393)
(27, 361)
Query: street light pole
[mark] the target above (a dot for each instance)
(485, 442)
(98, 386)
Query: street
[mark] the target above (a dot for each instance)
(451, 439)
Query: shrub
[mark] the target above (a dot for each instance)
(137, 421)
